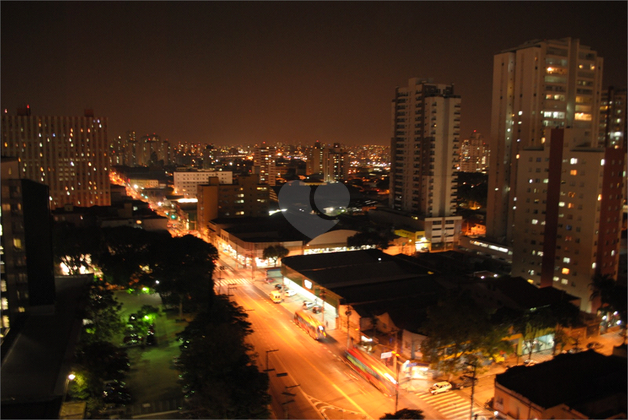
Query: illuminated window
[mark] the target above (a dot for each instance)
(535, 221)
(574, 161)
(567, 260)
(556, 278)
(573, 172)
(565, 271)
(582, 116)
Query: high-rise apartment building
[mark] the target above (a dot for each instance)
(425, 157)
(68, 154)
(613, 115)
(537, 86)
(314, 164)
(264, 164)
(27, 280)
(568, 212)
(335, 164)
(474, 153)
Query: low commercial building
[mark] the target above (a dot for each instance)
(585, 385)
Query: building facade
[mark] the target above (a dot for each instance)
(246, 198)
(474, 154)
(27, 280)
(537, 86)
(68, 154)
(613, 118)
(314, 163)
(264, 164)
(425, 156)
(335, 164)
(186, 182)
(568, 213)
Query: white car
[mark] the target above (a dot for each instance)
(307, 305)
(439, 387)
(290, 292)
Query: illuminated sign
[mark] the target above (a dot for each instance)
(308, 284)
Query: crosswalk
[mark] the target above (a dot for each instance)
(451, 405)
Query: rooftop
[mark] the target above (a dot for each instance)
(576, 380)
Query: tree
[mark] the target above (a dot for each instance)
(76, 247)
(456, 328)
(531, 323)
(218, 367)
(405, 413)
(370, 238)
(103, 310)
(184, 269)
(275, 252)
(128, 257)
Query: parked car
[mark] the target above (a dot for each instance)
(290, 292)
(269, 280)
(529, 362)
(307, 304)
(440, 387)
(317, 309)
(279, 287)
(594, 345)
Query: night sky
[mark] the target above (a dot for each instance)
(294, 72)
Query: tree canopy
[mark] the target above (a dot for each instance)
(275, 252)
(405, 413)
(219, 373)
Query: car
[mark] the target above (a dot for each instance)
(269, 280)
(151, 340)
(307, 304)
(462, 382)
(440, 387)
(290, 292)
(279, 287)
(317, 309)
(594, 345)
(132, 318)
(529, 362)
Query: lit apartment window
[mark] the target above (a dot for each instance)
(565, 271)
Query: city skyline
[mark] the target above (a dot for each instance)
(238, 73)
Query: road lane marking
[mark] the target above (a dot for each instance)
(299, 354)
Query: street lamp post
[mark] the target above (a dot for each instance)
(269, 351)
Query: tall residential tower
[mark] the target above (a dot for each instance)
(537, 86)
(425, 157)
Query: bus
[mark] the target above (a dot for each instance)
(371, 369)
(311, 325)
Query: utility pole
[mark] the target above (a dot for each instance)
(473, 379)
(348, 314)
(396, 353)
(323, 294)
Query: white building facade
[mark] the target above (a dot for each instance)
(425, 150)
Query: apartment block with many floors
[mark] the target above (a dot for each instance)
(425, 150)
(540, 85)
(568, 212)
(68, 154)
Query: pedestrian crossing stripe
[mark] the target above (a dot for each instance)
(451, 405)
